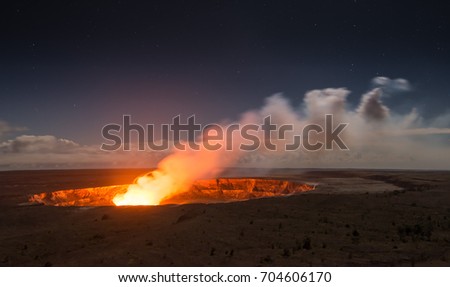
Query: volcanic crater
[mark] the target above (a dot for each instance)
(201, 191)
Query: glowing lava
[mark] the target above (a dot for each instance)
(201, 191)
(176, 173)
(176, 181)
(148, 190)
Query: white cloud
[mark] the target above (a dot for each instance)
(38, 144)
(391, 86)
(376, 135)
(6, 128)
(371, 108)
(44, 152)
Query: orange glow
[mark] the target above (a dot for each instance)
(176, 173)
(177, 181)
(201, 191)
(148, 190)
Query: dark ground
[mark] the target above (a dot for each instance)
(353, 218)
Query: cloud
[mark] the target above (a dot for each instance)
(442, 121)
(424, 131)
(50, 152)
(6, 128)
(377, 137)
(38, 144)
(391, 86)
(371, 108)
(320, 102)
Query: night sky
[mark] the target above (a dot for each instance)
(67, 69)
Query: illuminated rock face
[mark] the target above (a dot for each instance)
(202, 191)
(93, 196)
(225, 190)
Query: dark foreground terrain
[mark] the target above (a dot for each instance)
(353, 218)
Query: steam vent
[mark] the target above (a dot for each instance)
(202, 191)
